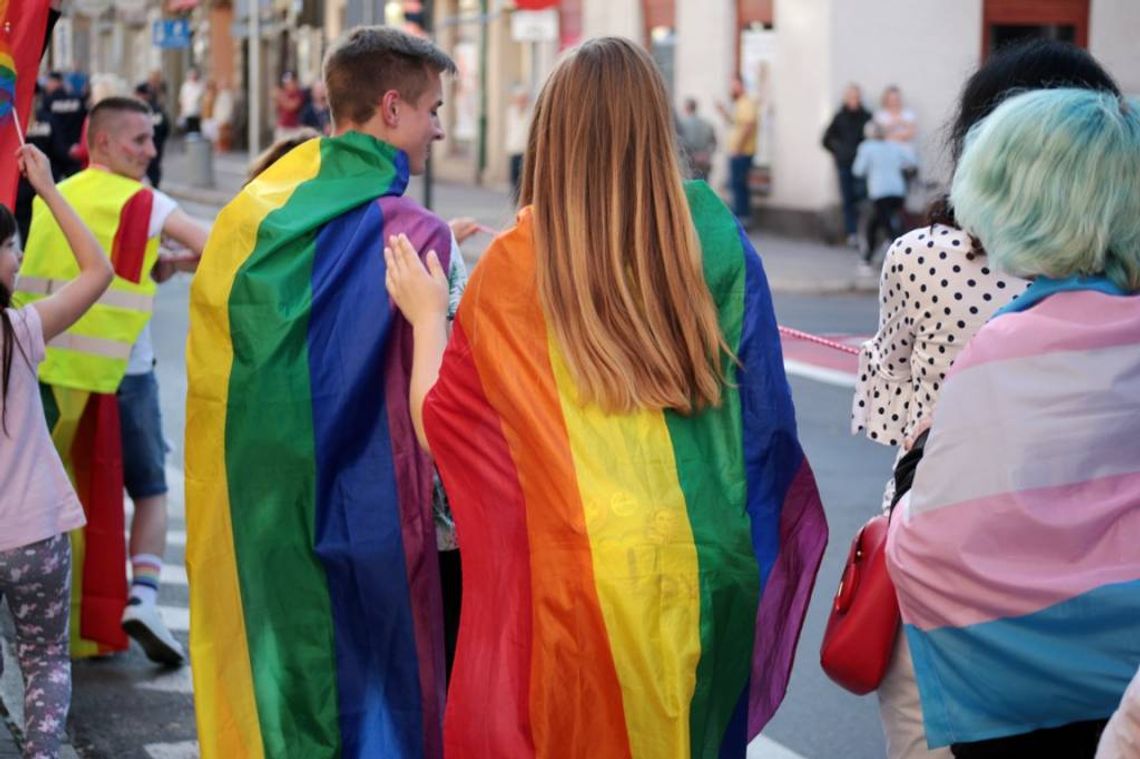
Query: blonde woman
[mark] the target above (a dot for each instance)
(640, 528)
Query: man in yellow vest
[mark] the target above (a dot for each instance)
(105, 364)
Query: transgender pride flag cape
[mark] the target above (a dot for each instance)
(634, 585)
(314, 587)
(1017, 557)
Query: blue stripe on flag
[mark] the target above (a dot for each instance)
(1067, 663)
(358, 533)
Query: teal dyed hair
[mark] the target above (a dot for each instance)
(1050, 184)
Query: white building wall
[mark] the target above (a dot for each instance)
(705, 61)
(613, 17)
(801, 80)
(1114, 38)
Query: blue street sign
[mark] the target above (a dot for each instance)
(172, 33)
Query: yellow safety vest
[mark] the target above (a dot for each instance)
(91, 355)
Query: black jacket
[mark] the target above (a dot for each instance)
(844, 134)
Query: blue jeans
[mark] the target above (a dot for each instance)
(144, 449)
(738, 168)
(852, 189)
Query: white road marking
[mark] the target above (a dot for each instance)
(819, 374)
(170, 681)
(183, 750)
(176, 618)
(766, 748)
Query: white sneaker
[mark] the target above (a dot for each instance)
(143, 622)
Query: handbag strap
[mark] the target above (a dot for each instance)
(907, 466)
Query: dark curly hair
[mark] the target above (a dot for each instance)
(1031, 65)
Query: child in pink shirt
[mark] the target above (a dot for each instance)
(37, 503)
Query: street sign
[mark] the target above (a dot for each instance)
(172, 33)
(534, 26)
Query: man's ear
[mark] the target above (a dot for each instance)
(390, 108)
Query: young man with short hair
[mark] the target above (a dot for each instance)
(314, 584)
(101, 387)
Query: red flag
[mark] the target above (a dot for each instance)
(22, 27)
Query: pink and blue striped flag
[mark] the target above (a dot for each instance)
(1017, 554)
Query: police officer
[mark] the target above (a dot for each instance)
(66, 113)
(161, 122)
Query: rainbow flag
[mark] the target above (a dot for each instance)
(22, 27)
(314, 590)
(635, 585)
(1015, 557)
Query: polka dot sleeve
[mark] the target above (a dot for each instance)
(883, 389)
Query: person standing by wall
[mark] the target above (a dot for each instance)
(190, 101)
(842, 139)
(698, 141)
(744, 121)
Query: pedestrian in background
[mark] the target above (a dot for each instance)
(288, 99)
(315, 114)
(744, 122)
(190, 96)
(161, 123)
(590, 405)
(1015, 553)
(519, 113)
(66, 113)
(698, 141)
(842, 139)
(38, 505)
(937, 289)
(104, 368)
(899, 123)
(882, 163)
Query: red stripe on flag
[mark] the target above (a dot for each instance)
(128, 251)
(22, 28)
(97, 461)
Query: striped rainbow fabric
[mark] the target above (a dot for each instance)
(1016, 558)
(633, 586)
(314, 588)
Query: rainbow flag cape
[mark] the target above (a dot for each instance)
(314, 589)
(634, 585)
(1016, 555)
(22, 27)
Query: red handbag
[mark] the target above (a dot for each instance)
(864, 621)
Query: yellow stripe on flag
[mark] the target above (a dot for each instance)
(645, 564)
(228, 725)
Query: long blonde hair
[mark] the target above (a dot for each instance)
(619, 263)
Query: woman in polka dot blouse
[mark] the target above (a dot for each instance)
(936, 290)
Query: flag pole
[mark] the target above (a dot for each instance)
(16, 121)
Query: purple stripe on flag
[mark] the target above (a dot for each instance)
(783, 603)
(414, 473)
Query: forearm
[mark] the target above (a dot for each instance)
(430, 342)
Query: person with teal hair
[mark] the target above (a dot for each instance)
(1050, 183)
(1014, 553)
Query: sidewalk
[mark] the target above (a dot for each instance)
(793, 266)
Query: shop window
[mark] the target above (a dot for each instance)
(1007, 21)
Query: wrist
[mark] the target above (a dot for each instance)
(430, 321)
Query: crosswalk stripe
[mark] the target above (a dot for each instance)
(766, 748)
(170, 681)
(176, 618)
(819, 373)
(183, 750)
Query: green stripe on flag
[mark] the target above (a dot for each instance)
(709, 452)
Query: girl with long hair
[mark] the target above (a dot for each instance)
(612, 422)
(38, 505)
